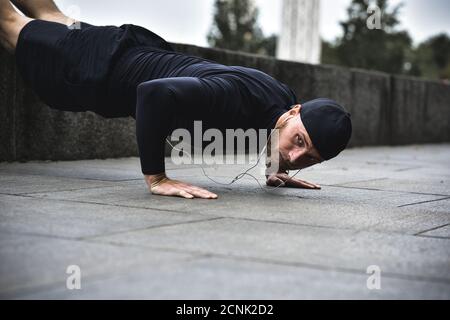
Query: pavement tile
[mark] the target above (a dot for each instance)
(25, 184)
(385, 206)
(33, 264)
(221, 278)
(314, 246)
(68, 219)
(441, 232)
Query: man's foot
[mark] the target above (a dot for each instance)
(43, 10)
(11, 23)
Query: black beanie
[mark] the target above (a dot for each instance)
(328, 124)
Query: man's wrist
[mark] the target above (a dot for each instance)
(271, 171)
(155, 178)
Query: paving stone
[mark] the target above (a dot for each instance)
(345, 208)
(119, 169)
(25, 184)
(220, 278)
(31, 264)
(442, 232)
(382, 206)
(432, 207)
(24, 215)
(431, 186)
(417, 257)
(109, 170)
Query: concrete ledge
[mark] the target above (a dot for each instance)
(31, 130)
(385, 109)
(420, 111)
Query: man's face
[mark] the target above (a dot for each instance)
(295, 147)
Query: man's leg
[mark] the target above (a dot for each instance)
(42, 10)
(11, 23)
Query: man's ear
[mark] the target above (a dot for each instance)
(292, 113)
(295, 110)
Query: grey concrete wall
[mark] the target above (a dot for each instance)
(386, 109)
(30, 130)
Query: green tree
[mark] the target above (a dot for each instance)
(235, 27)
(329, 55)
(383, 48)
(432, 57)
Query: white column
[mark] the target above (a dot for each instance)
(300, 39)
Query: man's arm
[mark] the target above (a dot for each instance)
(158, 103)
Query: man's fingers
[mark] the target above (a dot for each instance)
(185, 194)
(196, 191)
(316, 186)
(297, 183)
(283, 178)
(275, 181)
(205, 192)
(302, 184)
(200, 193)
(180, 189)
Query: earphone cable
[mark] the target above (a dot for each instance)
(242, 174)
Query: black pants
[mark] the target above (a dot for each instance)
(68, 68)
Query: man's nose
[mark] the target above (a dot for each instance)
(296, 155)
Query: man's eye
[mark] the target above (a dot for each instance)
(300, 141)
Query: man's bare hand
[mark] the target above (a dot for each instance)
(164, 186)
(275, 180)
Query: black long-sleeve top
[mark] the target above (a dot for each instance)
(165, 90)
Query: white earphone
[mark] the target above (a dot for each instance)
(244, 173)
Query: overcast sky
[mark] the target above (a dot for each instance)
(188, 21)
